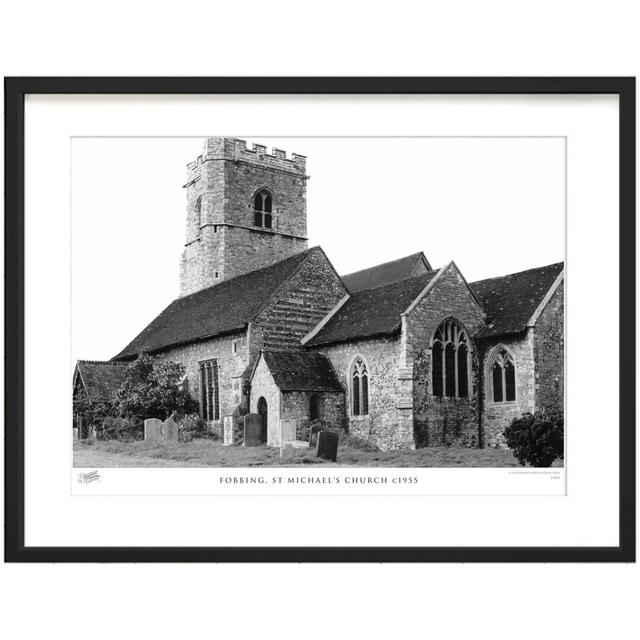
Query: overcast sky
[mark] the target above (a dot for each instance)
(494, 205)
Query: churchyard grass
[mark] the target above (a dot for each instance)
(211, 453)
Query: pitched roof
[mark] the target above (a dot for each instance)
(386, 273)
(372, 312)
(511, 300)
(101, 379)
(302, 371)
(226, 307)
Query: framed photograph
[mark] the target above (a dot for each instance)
(320, 319)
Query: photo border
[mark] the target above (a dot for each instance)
(15, 91)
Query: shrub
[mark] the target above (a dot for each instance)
(122, 428)
(536, 439)
(153, 388)
(190, 426)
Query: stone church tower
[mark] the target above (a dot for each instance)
(246, 209)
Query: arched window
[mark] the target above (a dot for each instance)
(262, 209)
(198, 210)
(501, 377)
(359, 388)
(450, 353)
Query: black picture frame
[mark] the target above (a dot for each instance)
(15, 91)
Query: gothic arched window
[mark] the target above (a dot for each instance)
(262, 209)
(450, 354)
(359, 388)
(501, 377)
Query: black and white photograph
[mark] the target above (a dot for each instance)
(244, 301)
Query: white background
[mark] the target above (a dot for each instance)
(490, 38)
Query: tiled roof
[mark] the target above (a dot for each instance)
(226, 307)
(511, 300)
(100, 379)
(386, 273)
(372, 312)
(302, 371)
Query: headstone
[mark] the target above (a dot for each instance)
(252, 430)
(152, 429)
(169, 429)
(287, 431)
(314, 431)
(227, 430)
(75, 433)
(327, 445)
(286, 451)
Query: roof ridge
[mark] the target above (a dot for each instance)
(397, 282)
(382, 264)
(517, 273)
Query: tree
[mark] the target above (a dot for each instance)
(152, 389)
(536, 439)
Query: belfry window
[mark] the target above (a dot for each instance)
(450, 361)
(198, 211)
(359, 388)
(262, 209)
(209, 392)
(502, 377)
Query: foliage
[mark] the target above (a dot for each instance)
(536, 439)
(93, 414)
(120, 428)
(152, 390)
(191, 426)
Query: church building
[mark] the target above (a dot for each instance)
(401, 354)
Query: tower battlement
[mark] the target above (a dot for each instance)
(235, 150)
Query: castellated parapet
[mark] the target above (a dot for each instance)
(246, 209)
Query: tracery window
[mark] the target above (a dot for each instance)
(502, 377)
(209, 393)
(450, 352)
(262, 209)
(359, 388)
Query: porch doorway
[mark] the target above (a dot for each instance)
(262, 410)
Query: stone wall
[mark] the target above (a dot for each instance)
(230, 367)
(222, 240)
(298, 307)
(442, 421)
(497, 416)
(388, 425)
(548, 353)
(263, 386)
(295, 406)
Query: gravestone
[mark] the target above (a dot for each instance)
(327, 445)
(287, 432)
(252, 430)
(169, 429)
(152, 429)
(227, 430)
(75, 433)
(286, 451)
(313, 434)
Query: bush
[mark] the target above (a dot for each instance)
(153, 388)
(536, 439)
(191, 426)
(125, 429)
